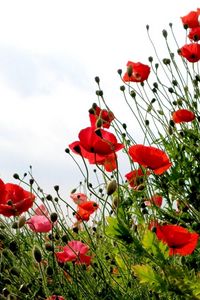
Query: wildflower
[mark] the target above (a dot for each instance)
(95, 145)
(85, 209)
(155, 200)
(96, 113)
(14, 200)
(191, 52)
(194, 34)
(78, 198)
(136, 177)
(150, 157)
(183, 115)
(136, 72)
(179, 239)
(75, 251)
(109, 162)
(40, 222)
(55, 297)
(191, 19)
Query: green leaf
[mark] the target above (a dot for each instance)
(146, 274)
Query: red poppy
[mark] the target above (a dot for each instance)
(109, 162)
(95, 145)
(55, 297)
(150, 157)
(136, 177)
(183, 115)
(75, 251)
(105, 117)
(14, 200)
(194, 34)
(136, 72)
(155, 200)
(191, 52)
(79, 198)
(191, 19)
(179, 240)
(85, 209)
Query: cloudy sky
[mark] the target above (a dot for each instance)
(50, 52)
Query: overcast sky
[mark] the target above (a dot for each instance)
(50, 52)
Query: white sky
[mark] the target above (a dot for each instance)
(50, 52)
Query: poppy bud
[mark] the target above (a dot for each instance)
(49, 197)
(56, 188)
(21, 221)
(99, 93)
(97, 79)
(31, 181)
(164, 32)
(16, 176)
(37, 254)
(166, 61)
(147, 27)
(119, 72)
(171, 90)
(54, 217)
(67, 150)
(170, 130)
(124, 126)
(133, 94)
(122, 88)
(111, 187)
(150, 59)
(147, 122)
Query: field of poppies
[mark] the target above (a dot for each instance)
(117, 236)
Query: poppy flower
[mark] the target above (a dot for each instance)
(14, 200)
(136, 177)
(40, 222)
(155, 200)
(85, 210)
(183, 115)
(179, 239)
(194, 34)
(109, 162)
(136, 72)
(78, 198)
(105, 117)
(191, 52)
(94, 145)
(55, 297)
(75, 251)
(191, 19)
(150, 157)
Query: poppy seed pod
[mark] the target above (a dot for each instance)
(111, 187)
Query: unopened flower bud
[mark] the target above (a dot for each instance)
(16, 176)
(21, 221)
(164, 32)
(67, 150)
(56, 188)
(49, 197)
(37, 254)
(122, 88)
(150, 59)
(97, 79)
(111, 187)
(54, 217)
(119, 72)
(99, 93)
